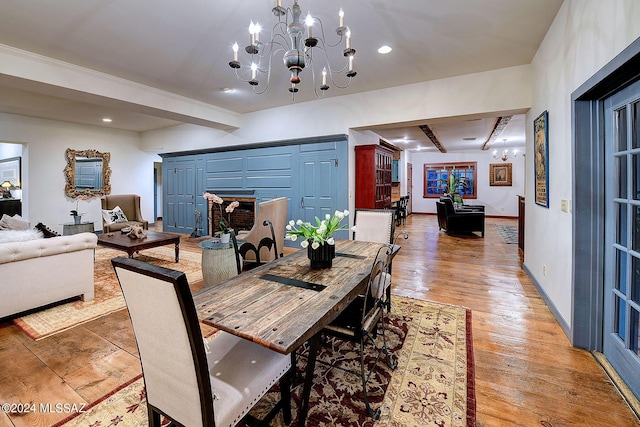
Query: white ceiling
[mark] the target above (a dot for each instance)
(184, 48)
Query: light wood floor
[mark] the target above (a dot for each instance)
(526, 371)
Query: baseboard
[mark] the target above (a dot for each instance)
(554, 310)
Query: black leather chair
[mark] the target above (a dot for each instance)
(458, 221)
(463, 206)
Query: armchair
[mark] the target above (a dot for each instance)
(274, 210)
(130, 205)
(458, 221)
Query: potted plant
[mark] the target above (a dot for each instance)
(318, 239)
(223, 226)
(75, 213)
(453, 186)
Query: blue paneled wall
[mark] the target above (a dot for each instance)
(311, 173)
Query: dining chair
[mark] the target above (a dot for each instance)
(187, 379)
(363, 320)
(378, 226)
(249, 256)
(374, 225)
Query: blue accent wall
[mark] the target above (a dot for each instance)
(269, 171)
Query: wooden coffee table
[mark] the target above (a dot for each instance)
(121, 241)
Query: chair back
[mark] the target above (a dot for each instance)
(375, 225)
(373, 303)
(169, 339)
(274, 210)
(248, 251)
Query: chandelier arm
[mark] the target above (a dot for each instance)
(323, 36)
(331, 72)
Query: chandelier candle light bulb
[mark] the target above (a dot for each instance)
(309, 23)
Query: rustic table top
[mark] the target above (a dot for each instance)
(282, 304)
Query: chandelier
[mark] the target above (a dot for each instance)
(298, 52)
(506, 154)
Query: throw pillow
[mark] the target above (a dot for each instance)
(15, 222)
(46, 231)
(9, 236)
(113, 216)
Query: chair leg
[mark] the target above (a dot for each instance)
(373, 414)
(285, 395)
(154, 417)
(392, 363)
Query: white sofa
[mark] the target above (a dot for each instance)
(39, 272)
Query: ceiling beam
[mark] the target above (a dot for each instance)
(501, 122)
(427, 131)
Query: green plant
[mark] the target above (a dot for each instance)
(454, 184)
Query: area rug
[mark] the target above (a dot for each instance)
(432, 385)
(508, 233)
(108, 297)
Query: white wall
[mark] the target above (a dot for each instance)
(498, 200)
(585, 35)
(43, 161)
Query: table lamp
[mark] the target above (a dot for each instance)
(6, 185)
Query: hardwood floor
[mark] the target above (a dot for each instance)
(527, 373)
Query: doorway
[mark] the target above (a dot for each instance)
(605, 309)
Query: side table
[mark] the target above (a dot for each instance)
(218, 262)
(73, 228)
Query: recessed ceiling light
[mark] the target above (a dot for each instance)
(384, 49)
(106, 120)
(227, 89)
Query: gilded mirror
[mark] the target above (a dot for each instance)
(87, 173)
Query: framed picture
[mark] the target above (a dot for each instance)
(500, 174)
(541, 161)
(10, 170)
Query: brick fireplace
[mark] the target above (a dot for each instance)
(242, 218)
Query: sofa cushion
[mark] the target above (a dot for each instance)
(15, 222)
(113, 216)
(8, 236)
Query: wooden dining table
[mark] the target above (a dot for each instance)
(283, 304)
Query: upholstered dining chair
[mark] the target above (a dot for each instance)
(363, 320)
(130, 206)
(188, 380)
(374, 225)
(250, 256)
(378, 226)
(274, 210)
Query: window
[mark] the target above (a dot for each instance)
(436, 179)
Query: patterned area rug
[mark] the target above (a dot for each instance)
(433, 384)
(508, 233)
(108, 297)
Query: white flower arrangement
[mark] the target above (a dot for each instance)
(318, 234)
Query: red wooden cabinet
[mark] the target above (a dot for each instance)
(373, 177)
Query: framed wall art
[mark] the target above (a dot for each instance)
(10, 170)
(500, 174)
(541, 161)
